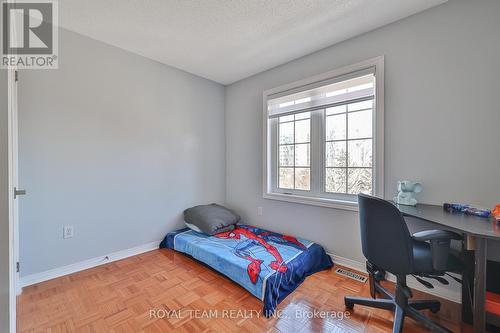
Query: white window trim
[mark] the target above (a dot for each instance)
(378, 134)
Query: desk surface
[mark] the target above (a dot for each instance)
(473, 225)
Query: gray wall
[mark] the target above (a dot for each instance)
(117, 146)
(442, 119)
(4, 212)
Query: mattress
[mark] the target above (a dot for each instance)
(267, 264)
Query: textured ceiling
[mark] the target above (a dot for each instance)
(228, 40)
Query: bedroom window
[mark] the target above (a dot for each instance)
(294, 145)
(324, 137)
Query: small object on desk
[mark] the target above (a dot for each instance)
(496, 213)
(406, 192)
(467, 209)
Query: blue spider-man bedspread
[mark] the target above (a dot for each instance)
(267, 264)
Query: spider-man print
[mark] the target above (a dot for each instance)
(257, 237)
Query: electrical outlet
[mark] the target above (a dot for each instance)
(68, 231)
(259, 211)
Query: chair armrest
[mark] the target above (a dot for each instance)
(429, 235)
(440, 245)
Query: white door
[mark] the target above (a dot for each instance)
(14, 194)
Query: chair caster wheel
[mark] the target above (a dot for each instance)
(379, 275)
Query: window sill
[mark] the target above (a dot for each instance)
(322, 202)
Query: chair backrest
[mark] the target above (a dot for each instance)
(385, 238)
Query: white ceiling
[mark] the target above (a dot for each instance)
(228, 40)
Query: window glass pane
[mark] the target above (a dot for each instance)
(302, 154)
(302, 179)
(335, 181)
(336, 109)
(360, 153)
(286, 118)
(303, 115)
(336, 127)
(286, 133)
(360, 124)
(286, 178)
(302, 131)
(360, 105)
(360, 181)
(336, 154)
(286, 155)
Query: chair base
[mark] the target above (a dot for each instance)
(399, 304)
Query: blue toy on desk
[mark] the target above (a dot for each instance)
(406, 193)
(467, 209)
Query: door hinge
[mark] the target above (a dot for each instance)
(16, 76)
(18, 267)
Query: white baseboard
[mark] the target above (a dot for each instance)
(86, 264)
(452, 292)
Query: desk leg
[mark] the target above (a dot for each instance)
(480, 285)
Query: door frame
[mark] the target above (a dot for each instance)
(12, 123)
(13, 182)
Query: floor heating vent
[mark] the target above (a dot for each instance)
(351, 275)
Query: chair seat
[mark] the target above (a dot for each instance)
(422, 259)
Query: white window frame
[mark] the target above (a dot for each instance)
(270, 190)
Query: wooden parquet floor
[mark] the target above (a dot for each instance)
(119, 297)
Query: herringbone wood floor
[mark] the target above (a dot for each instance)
(118, 297)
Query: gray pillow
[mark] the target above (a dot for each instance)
(211, 219)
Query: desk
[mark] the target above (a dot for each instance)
(478, 231)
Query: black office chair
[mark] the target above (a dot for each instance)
(388, 246)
